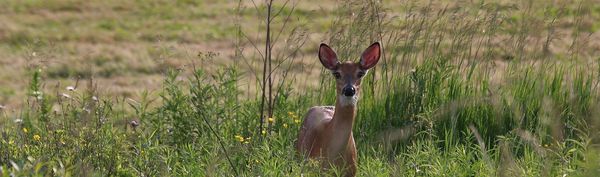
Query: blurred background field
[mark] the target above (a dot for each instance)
(164, 88)
(128, 46)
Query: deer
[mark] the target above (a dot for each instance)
(326, 131)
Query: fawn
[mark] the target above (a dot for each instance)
(326, 131)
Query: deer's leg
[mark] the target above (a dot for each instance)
(351, 158)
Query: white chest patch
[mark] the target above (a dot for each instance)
(348, 101)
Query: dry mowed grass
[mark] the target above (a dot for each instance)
(127, 46)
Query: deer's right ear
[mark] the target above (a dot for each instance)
(328, 57)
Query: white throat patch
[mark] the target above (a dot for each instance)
(348, 101)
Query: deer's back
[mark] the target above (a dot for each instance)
(309, 140)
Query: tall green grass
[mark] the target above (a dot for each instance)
(436, 105)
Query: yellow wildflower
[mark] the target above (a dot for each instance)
(264, 132)
(25, 130)
(293, 115)
(37, 137)
(239, 138)
(11, 142)
(296, 120)
(285, 125)
(270, 119)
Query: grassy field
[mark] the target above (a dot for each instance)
(128, 46)
(173, 88)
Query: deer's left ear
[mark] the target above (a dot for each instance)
(370, 57)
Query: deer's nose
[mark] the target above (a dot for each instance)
(348, 91)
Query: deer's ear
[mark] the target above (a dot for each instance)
(328, 57)
(370, 57)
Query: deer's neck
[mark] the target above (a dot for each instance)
(340, 128)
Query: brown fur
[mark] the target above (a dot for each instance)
(324, 124)
(326, 132)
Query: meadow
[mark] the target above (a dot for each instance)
(220, 88)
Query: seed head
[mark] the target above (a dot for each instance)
(65, 95)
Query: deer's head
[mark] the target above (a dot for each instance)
(349, 74)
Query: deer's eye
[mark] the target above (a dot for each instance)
(361, 74)
(337, 75)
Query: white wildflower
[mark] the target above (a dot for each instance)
(86, 110)
(134, 123)
(70, 88)
(36, 93)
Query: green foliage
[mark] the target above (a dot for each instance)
(432, 107)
